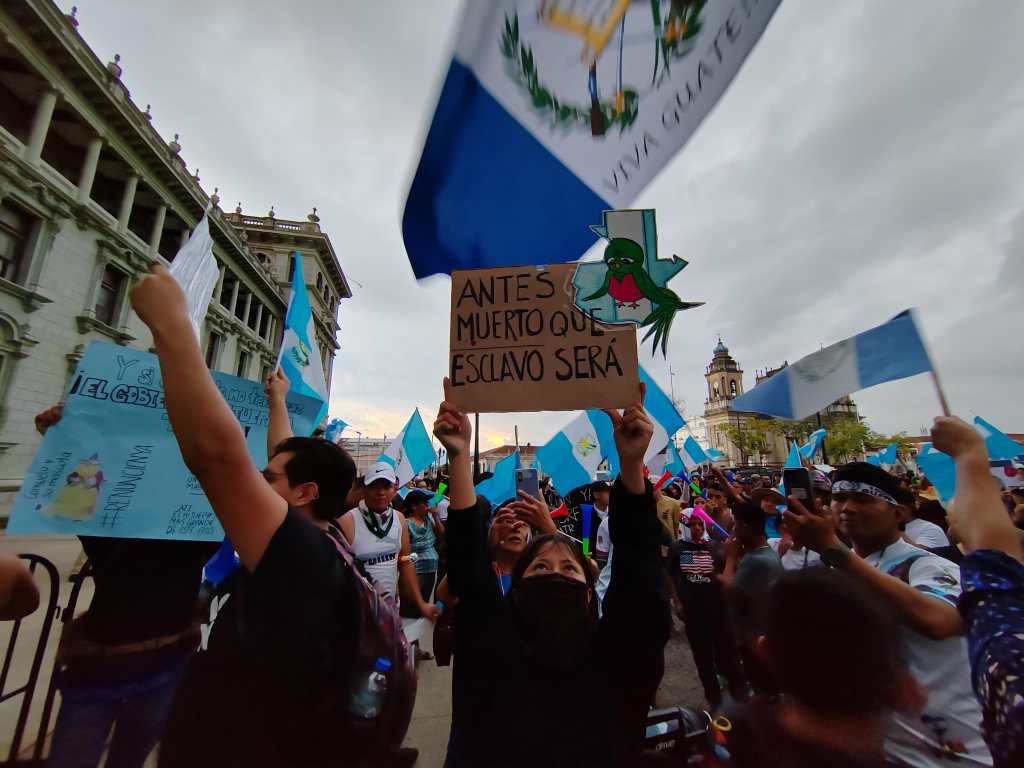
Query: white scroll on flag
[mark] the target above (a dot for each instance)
(196, 271)
(555, 110)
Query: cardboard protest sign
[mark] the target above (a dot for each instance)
(519, 343)
(111, 466)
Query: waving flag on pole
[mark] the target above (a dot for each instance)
(411, 451)
(501, 486)
(885, 353)
(999, 444)
(300, 354)
(813, 444)
(940, 469)
(888, 456)
(663, 413)
(551, 109)
(693, 455)
(572, 456)
(334, 429)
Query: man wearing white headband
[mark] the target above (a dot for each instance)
(923, 589)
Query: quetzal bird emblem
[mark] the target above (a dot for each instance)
(628, 283)
(628, 292)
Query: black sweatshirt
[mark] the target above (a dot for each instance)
(506, 713)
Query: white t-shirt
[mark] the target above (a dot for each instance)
(926, 534)
(442, 509)
(951, 719)
(795, 559)
(604, 578)
(604, 540)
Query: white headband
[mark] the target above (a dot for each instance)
(852, 486)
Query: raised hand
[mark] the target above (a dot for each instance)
(49, 418)
(277, 385)
(632, 430)
(810, 529)
(159, 301)
(452, 426)
(955, 437)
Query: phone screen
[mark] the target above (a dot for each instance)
(528, 480)
(798, 484)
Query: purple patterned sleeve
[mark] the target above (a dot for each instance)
(992, 606)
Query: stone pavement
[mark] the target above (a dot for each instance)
(428, 731)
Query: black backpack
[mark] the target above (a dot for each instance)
(380, 637)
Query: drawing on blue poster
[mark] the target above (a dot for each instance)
(111, 466)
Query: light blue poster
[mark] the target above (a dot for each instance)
(112, 467)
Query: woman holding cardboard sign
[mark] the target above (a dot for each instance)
(525, 662)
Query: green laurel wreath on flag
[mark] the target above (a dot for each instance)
(520, 56)
(674, 34)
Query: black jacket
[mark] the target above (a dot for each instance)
(506, 713)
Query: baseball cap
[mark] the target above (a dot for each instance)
(600, 485)
(380, 471)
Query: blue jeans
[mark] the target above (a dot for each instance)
(136, 708)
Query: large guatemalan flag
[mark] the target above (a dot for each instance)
(553, 111)
(891, 351)
(300, 354)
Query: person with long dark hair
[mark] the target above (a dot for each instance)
(542, 680)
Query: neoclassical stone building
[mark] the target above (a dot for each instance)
(90, 196)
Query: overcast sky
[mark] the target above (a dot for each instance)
(867, 158)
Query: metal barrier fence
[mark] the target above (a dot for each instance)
(49, 603)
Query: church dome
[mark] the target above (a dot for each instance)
(720, 348)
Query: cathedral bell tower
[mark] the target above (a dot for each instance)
(724, 377)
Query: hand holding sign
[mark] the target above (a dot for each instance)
(632, 431)
(159, 301)
(452, 426)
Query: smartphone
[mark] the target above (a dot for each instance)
(528, 480)
(798, 485)
(603, 475)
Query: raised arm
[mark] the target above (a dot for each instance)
(469, 562)
(280, 428)
(637, 582)
(210, 438)
(922, 612)
(981, 518)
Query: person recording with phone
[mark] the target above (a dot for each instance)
(922, 589)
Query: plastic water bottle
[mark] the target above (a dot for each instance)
(368, 701)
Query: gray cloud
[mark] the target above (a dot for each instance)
(866, 159)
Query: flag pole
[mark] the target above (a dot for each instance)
(476, 448)
(939, 391)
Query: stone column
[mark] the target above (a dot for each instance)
(259, 317)
(158, 229)
(234, 295)
(40, 125)
(88, 174)
(220, 284)
(248, 306)
(127, 201)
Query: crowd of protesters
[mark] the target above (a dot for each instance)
(856, 627)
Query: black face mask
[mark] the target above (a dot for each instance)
(556, 620)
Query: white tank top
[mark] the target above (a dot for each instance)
(378, 556)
